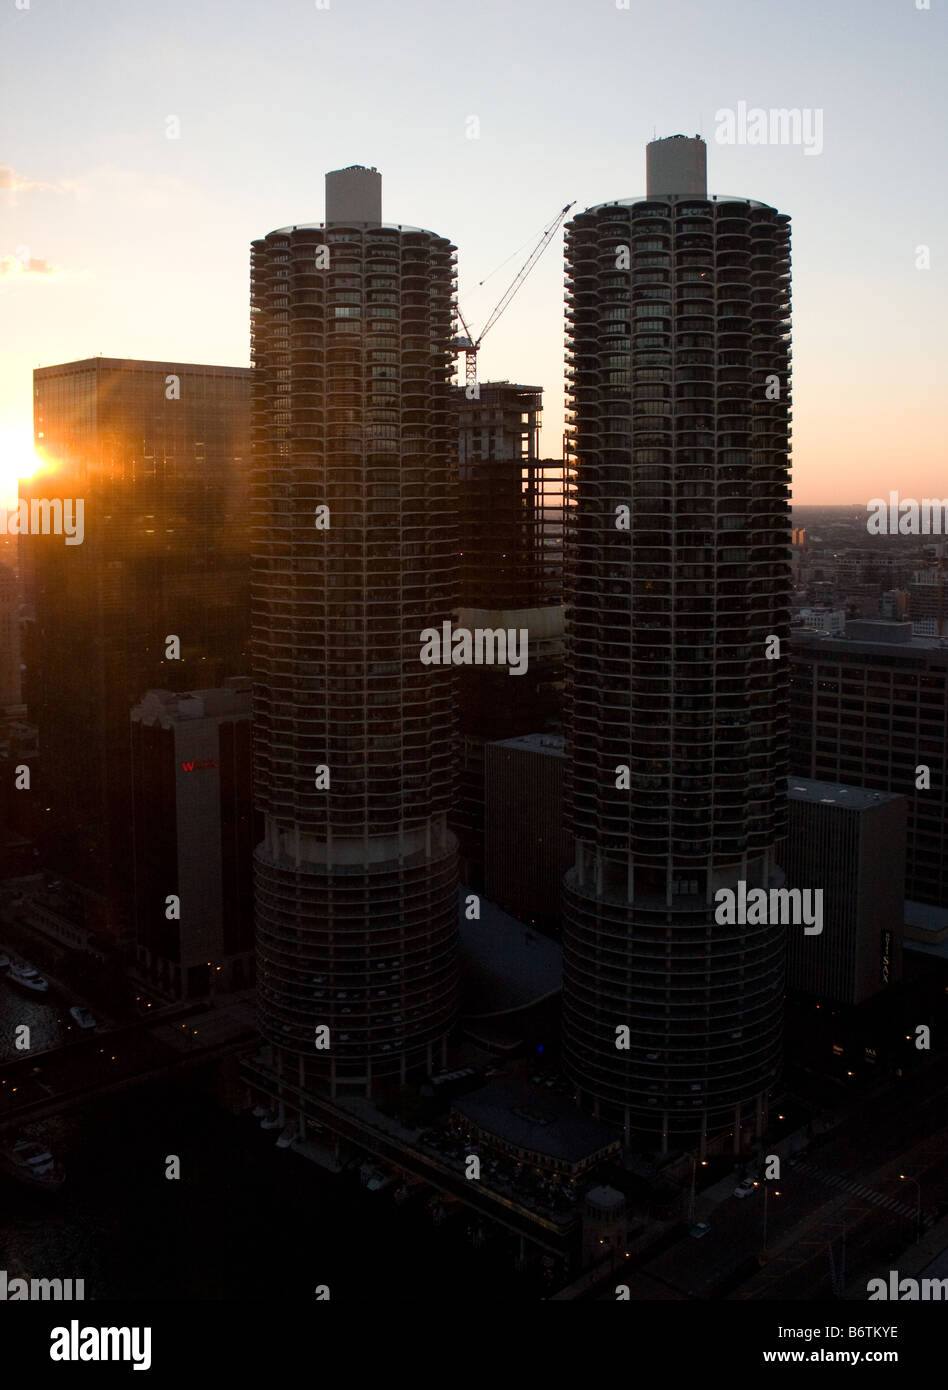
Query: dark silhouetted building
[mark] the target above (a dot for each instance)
(158, 453)
(510, 507)
(508, 500)
(678, 382)
(355, 739)
(850, 843)
(527, 848)
(193, 838)
(10, 684)
(870, 709)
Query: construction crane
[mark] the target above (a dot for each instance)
(469, 344)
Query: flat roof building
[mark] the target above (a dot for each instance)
(527, 847)
(870, 709)
(193, 837)
(848, 842)
(547, 1131)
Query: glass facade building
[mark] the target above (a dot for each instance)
(159, 453)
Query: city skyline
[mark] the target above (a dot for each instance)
(106, 227)
(474, 670)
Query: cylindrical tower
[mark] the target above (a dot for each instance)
(678, 587)
(355, 553)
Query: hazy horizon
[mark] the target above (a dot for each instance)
(119, 240)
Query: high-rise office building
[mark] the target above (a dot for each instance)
(850, 842)
(192, 837)
(355, 554)
(158, 455)
(677, 588)
(18, 810)
(871, 709)
(10, 684)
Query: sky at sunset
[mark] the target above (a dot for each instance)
(116, 239)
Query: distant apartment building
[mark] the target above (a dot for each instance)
(926, 603)
(193, 840)
(870, 709)
(849, 843)
(894, 607)
(156, 595)
(830, 620)
(862, 600)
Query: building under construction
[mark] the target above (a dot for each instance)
(510, 501)
(510, 505)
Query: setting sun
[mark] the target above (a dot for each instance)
(18, 459)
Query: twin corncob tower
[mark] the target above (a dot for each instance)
(678, 382)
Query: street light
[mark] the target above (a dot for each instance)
(763, 1253)
(904, 1177)
(694, 1170)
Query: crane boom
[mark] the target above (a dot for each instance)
(469, 344)
(525, 269)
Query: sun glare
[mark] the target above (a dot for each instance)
(18, 459)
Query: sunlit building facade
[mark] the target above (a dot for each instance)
(158, 452)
